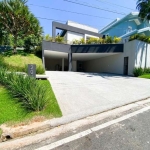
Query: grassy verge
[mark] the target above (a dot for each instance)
(12, 112)
(18, 62)
(147, 76)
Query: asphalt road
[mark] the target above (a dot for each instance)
(130, 134)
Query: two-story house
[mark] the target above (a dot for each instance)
(127, 26)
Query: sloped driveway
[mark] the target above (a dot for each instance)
(90, 93)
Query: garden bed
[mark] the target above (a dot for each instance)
(12, 112)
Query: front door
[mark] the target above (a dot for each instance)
(126, 60)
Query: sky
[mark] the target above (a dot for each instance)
(111, 11)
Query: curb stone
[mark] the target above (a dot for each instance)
(12, 133)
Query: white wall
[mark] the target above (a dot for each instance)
(142, 54)
(109, 64)
(81, 26)
(71, 36)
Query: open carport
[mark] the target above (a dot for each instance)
(90, 93)
(83, 58)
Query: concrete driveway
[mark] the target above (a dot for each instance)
(90, 93)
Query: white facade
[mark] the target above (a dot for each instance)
(71, 36)
(81, 26)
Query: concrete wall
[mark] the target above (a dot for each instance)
(109, 64)
(74, 66)
(51, 63)
(138, 53)
(114, 63)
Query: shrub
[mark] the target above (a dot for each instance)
(93, 40)
(109, 39)
(116, 39)
(82, 41)
(141, 37)
(138, 72)
(76, 42)
(59, 39)
(27, 90)
(146, 70)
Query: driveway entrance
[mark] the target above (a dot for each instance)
(91, 93)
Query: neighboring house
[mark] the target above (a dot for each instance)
(127, 26)
(107, 58)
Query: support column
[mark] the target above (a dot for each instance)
(63, 62)
(53, 31)
(70, 61)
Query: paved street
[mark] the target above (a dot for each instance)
(91, 93)
(132, 133)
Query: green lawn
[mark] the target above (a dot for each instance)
(18, 62)
(13, 112)
(147, 76)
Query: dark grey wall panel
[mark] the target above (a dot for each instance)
(56, 47)
(97, 48)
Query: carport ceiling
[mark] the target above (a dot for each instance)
(76, 56)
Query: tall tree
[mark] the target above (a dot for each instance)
(144, 9)
(17, 20)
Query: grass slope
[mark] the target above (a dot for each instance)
(11, 111)
(147, 76)
(18, 62)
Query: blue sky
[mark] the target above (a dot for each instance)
(87, 20)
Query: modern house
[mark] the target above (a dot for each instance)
(108, 58)
(127, 26)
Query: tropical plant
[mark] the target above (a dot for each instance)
(109, 40)
(26, 89)
(144, 9)
(59, 39)
(82, 41)
(141, 37)
(138, 71)
(47, 37)
(116, 39)
(76, 42)
(92, 40)
(17, 20)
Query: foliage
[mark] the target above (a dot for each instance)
(141, 71)
(59, 39)
(13, 112)
(143, 7)
(116, 40)
(30, 93)
(138, 72)
(109, 40)
(141, 37)
(31, 42)
(92, 40)
(17, 20)
(19, 62)
(76, 42)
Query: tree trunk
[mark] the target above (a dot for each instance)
(15, 45)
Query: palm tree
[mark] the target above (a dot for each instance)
(144, 9)
(17, 20)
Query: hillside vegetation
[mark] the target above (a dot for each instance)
(19, 62)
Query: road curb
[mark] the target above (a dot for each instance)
(21, 131)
